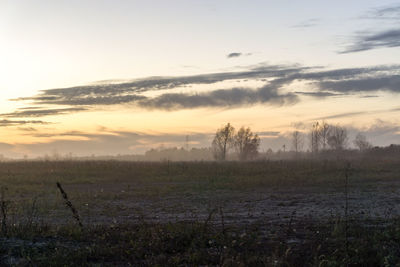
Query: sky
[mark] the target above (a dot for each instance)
(121, 77)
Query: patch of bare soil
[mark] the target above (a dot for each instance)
(270, 206)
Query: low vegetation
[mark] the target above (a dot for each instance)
(267, 213)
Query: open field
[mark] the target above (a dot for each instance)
(281, 213)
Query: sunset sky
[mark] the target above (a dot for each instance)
(121, 77)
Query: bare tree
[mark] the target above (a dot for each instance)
(297, 141)
(246, 143)
(337, 138)
(223, 141)
(361, 142)
(323, 132)
(315, 137)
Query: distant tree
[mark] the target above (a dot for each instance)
(223, 141)
(361, 142)
(337, 139)
(323, 132)
(315, 138)
(246, 143)
(297, 141)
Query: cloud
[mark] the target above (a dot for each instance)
(238, 54)
(89, 100)
(276, 78)
(159, 83)
(344, 73)
(234, 97)
(369, 41)
(341, 115)
(6, 123)
(391, 13)
(341, 82)
(318, 94)
(386, 83)
(369, 96)
(27, 129)
(234, 54)
(338, 82)
(36, 112)
(387, 18)
(132, 91)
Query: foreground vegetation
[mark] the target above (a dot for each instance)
(194, 244)
(124, 206)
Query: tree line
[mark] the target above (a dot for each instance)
(322, 137)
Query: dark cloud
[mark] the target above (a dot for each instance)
(387, 18)
(130, 92)
(91, 101)
(369, 96)
(5, 123)
(235, 54)
(35, 112)
(344, 73)
(220, 98)
(324, 83)
(351, 80)
(106, 90)
(386, 83)
(318, 94)
(363, 42)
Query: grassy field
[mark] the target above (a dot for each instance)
(273, 213)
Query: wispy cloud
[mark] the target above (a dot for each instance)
(276, 79)
(37, 112)
(132, 92)
(341, 115)
(238, 54)
(234, 54)
(5, 123)
(369, 41)
(388, 13)
(318, 94)
(387, 35)
(385, 83)
(234, 97)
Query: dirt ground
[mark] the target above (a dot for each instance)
(270, 206)
(236, 194)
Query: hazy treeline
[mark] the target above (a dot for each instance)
(206, 154)
(321, 141)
